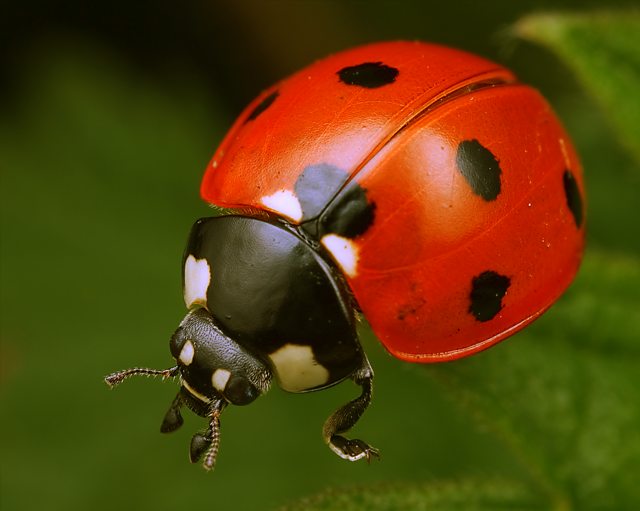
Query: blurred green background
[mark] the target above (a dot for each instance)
(109, 112)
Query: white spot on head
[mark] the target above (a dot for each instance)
(344, 251)
(219, 379)
(297, 369)
(285, 203)
(197, 277)
(186, 353)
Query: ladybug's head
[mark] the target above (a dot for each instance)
(212, 365)
(214, 371)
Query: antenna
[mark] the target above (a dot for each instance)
(116, 378)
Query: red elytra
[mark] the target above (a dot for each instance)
(434, 235)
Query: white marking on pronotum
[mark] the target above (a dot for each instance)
(197, 277)
(285, 203)
(195, 393)
(219, 379)
(344, 251)
(297, 369)
(186, 353)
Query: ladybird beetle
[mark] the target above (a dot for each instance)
(419, 186)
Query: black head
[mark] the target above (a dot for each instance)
(213, 365)
(214, 371)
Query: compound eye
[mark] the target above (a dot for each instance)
(177, 342)
(240, 391)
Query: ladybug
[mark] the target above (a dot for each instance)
(419, 186)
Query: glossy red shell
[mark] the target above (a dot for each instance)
(432, 234)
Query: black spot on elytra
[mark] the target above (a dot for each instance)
(574, 198)
(370, 75)
(350, 215)
(487, 291)
(316, 186)
(264, 104)
(344, 212)
(480, 168)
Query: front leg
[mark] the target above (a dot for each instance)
(344, 418)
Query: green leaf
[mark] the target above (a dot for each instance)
(603, 49)
(467, 495)
(564, 395)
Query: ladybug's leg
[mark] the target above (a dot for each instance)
(344, 418)
(208, 443)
